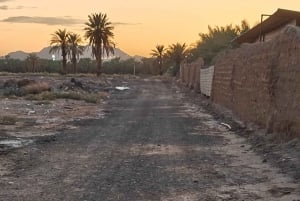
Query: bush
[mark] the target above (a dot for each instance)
(8, 120)
(36, 88)
(89, 98)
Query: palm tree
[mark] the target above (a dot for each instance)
(159, 52)
(75, 49)
(32, 58)
(98, 31)
(59, 42)
(177, 53)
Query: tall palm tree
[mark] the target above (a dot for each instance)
(177, 53)
(32, 58)
(59, 42)
(98, 31)
(159, 53)
(75, 49)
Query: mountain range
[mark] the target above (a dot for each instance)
(44, 54)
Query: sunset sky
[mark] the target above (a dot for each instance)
(139, 25)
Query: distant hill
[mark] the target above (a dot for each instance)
(138, 58)
(18, 55)
(44, 54)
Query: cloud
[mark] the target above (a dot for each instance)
(44, 20)
(125, 24)
(23, 7)
(4, 7)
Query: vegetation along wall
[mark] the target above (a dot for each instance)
(260, 82)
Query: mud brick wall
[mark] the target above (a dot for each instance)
(286, 83)
(196, 84)
(261, 82)
(184, 73)
(190, 74)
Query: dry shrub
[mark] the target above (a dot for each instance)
(46, 95)
(36, 88)
(25, 82)
(95, 98)
(8, 120)
(10, 83)
(87, 97)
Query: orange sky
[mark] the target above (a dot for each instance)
(139, 25)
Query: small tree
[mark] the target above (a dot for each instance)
(59, 42)
(32, 59)
(159, 53)
(177, 52)
(216, 40)
(98, 31)
(75, 49)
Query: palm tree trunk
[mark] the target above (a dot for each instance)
(160, 66)
(64, 56)
(176, 69)
(64, 65)
(99, 64)
(33, 67)
(74, 62)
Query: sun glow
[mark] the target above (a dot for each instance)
(139, 25)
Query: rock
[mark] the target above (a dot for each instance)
(76, 82)
(10, 84)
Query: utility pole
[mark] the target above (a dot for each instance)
(261, 38)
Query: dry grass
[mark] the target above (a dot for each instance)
(36, 88)
(8, 120)
(87, 97)
(46, 95)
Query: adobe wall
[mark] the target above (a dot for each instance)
(190, 74)
(261, 82)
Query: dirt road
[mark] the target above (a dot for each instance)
(153, 144)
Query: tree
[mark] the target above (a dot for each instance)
(244, 26)
(159, 53)
(59, 42)
(216, 40)
(75, 49)
(177, 53)
(98, 31)
(32, 58)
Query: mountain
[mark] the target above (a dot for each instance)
(18, 55)
(138, 58)
(44, 54)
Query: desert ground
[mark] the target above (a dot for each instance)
(133, 138)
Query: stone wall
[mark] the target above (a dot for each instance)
(260, 82)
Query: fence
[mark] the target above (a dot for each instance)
(196, 77)
(206, 79)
